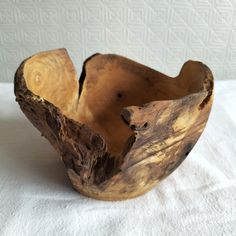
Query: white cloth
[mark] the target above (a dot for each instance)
(36, 197)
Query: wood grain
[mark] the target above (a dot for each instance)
(123, 127)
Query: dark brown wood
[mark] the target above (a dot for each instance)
(124, 127)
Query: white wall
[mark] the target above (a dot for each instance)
(162, 34)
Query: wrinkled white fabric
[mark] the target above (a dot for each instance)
(36, 197)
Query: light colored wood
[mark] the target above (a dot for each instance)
(124, 127)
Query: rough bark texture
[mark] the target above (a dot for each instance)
(156, 128)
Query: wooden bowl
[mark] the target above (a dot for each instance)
(123, 126)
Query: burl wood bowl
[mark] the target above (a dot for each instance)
(122, 127)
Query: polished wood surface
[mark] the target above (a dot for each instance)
(123, 127)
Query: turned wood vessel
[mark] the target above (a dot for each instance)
(122, 127)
